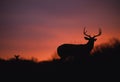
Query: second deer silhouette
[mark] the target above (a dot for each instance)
(79, 51)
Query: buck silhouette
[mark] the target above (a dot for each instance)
(79, 51)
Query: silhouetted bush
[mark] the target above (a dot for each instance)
(109, 52)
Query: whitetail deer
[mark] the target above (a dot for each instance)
(80, 51)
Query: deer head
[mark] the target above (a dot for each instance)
(91, 38)
(17, 57)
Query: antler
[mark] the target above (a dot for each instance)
(84, 32)
(98, 33)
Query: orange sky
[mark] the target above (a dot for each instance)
(34, 28)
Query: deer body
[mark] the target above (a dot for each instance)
(80, 51)
(76, 50)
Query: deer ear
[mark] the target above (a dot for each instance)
(86, 38)
(95, 39)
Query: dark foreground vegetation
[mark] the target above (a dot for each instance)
(105, 61)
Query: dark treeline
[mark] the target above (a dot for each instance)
(105, 58)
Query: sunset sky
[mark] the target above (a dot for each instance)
(35, 28)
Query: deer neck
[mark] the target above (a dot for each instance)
(90, 45)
